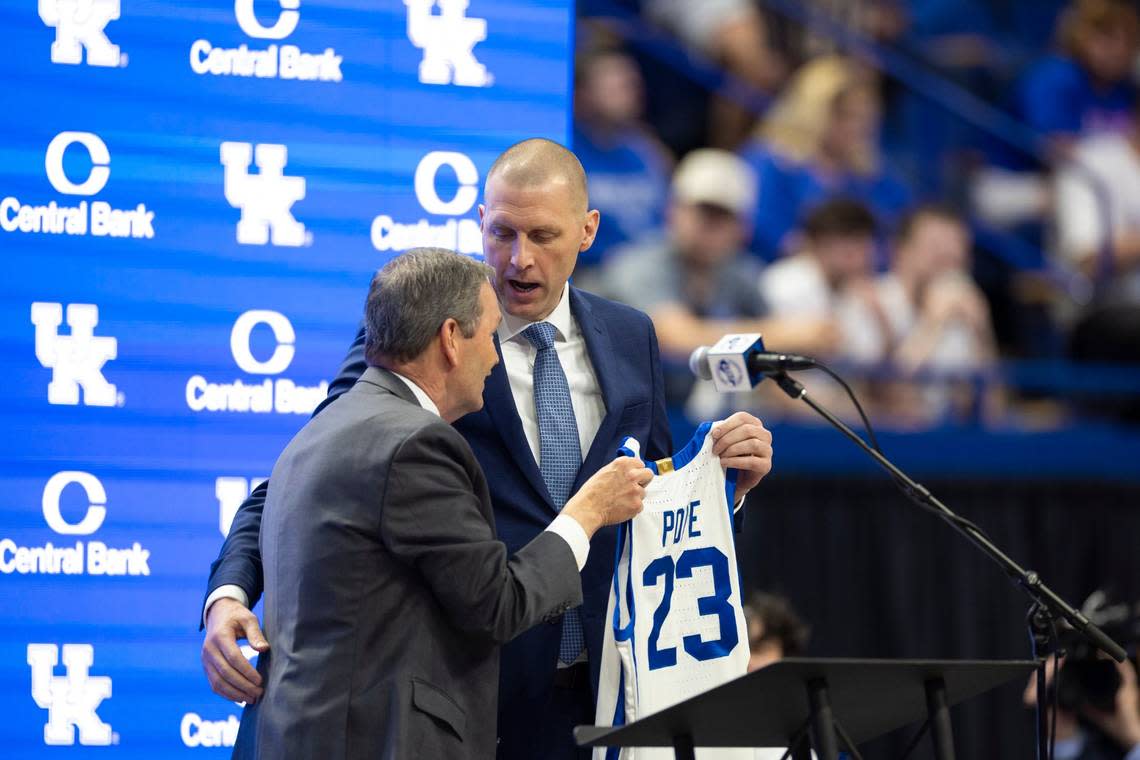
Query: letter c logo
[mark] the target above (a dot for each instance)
(465, 172)
(282, 330)
(96, 508)
(100, 157)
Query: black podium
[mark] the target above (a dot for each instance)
(787, 702)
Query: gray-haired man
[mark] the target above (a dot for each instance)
(386, 590)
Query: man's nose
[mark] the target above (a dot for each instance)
(522, 253)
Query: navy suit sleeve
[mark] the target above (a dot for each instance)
(239, 561)
(660, 443)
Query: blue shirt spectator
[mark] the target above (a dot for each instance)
(789, 190)
(1060, 97)
(627, 166)
(818, 142)
(629, 179)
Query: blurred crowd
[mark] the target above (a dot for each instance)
(915, 191)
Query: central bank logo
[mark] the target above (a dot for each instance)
(96, 218)
(76, 360)
(271, 62)
(72, 700)
(457, 233)
(266, 198)
(279, 395)
(80, 558)
(80, 25)
(447, 41)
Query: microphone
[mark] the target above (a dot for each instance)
(740, 358)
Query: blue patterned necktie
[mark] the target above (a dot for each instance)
(560, 453)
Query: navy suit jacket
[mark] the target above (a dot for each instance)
(622, 346)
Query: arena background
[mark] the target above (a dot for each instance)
(194, 196)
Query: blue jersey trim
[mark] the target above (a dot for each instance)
(622, 633)
(692, 448)
(730, 476)
(679, 459)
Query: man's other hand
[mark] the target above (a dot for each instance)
(612, 495)
(743, 442)
(231, 675)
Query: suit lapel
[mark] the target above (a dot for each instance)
(595, 331)
(500, 405)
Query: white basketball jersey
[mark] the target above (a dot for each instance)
(676, 623)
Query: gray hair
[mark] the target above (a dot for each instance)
(413, 295)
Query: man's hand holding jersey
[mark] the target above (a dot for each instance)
(742, 442)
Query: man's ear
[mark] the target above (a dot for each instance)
(590, 229)
(449, 336)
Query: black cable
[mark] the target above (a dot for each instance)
(916, 497)
(854, 400)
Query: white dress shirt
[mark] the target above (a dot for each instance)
(518, 360)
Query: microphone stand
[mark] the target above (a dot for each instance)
(1046, 608)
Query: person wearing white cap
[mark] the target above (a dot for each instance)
(696, 282)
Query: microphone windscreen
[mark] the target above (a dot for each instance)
(699, 363)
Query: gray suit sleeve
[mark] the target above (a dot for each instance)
(435, 520)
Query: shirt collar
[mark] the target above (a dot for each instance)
(422, 397)
(511, 325)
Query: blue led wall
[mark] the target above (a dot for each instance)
(193, 197)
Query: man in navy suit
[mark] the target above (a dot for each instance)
(535, 220)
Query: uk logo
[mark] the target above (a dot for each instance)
(265, 199)
(447, 41)
(76, 360)
(72, 699)
(79, 25)
(231, 492)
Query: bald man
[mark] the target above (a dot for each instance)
(535, 219)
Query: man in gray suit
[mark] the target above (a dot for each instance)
(387, 592)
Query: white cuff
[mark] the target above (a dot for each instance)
(1133, 754)
(228, 591)
(572, 533)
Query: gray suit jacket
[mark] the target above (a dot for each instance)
(387, 593)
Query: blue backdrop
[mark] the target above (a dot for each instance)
(193, 197)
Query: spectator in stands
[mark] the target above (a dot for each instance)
(1086, 87)
(839, 237)
(627, 165)
(925, 315)
(1098, 232)
(924, 312)
(696, 283)
(734, 35)
(1098, 210)
(819, 141)
(775, 631)
(1085, 732)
